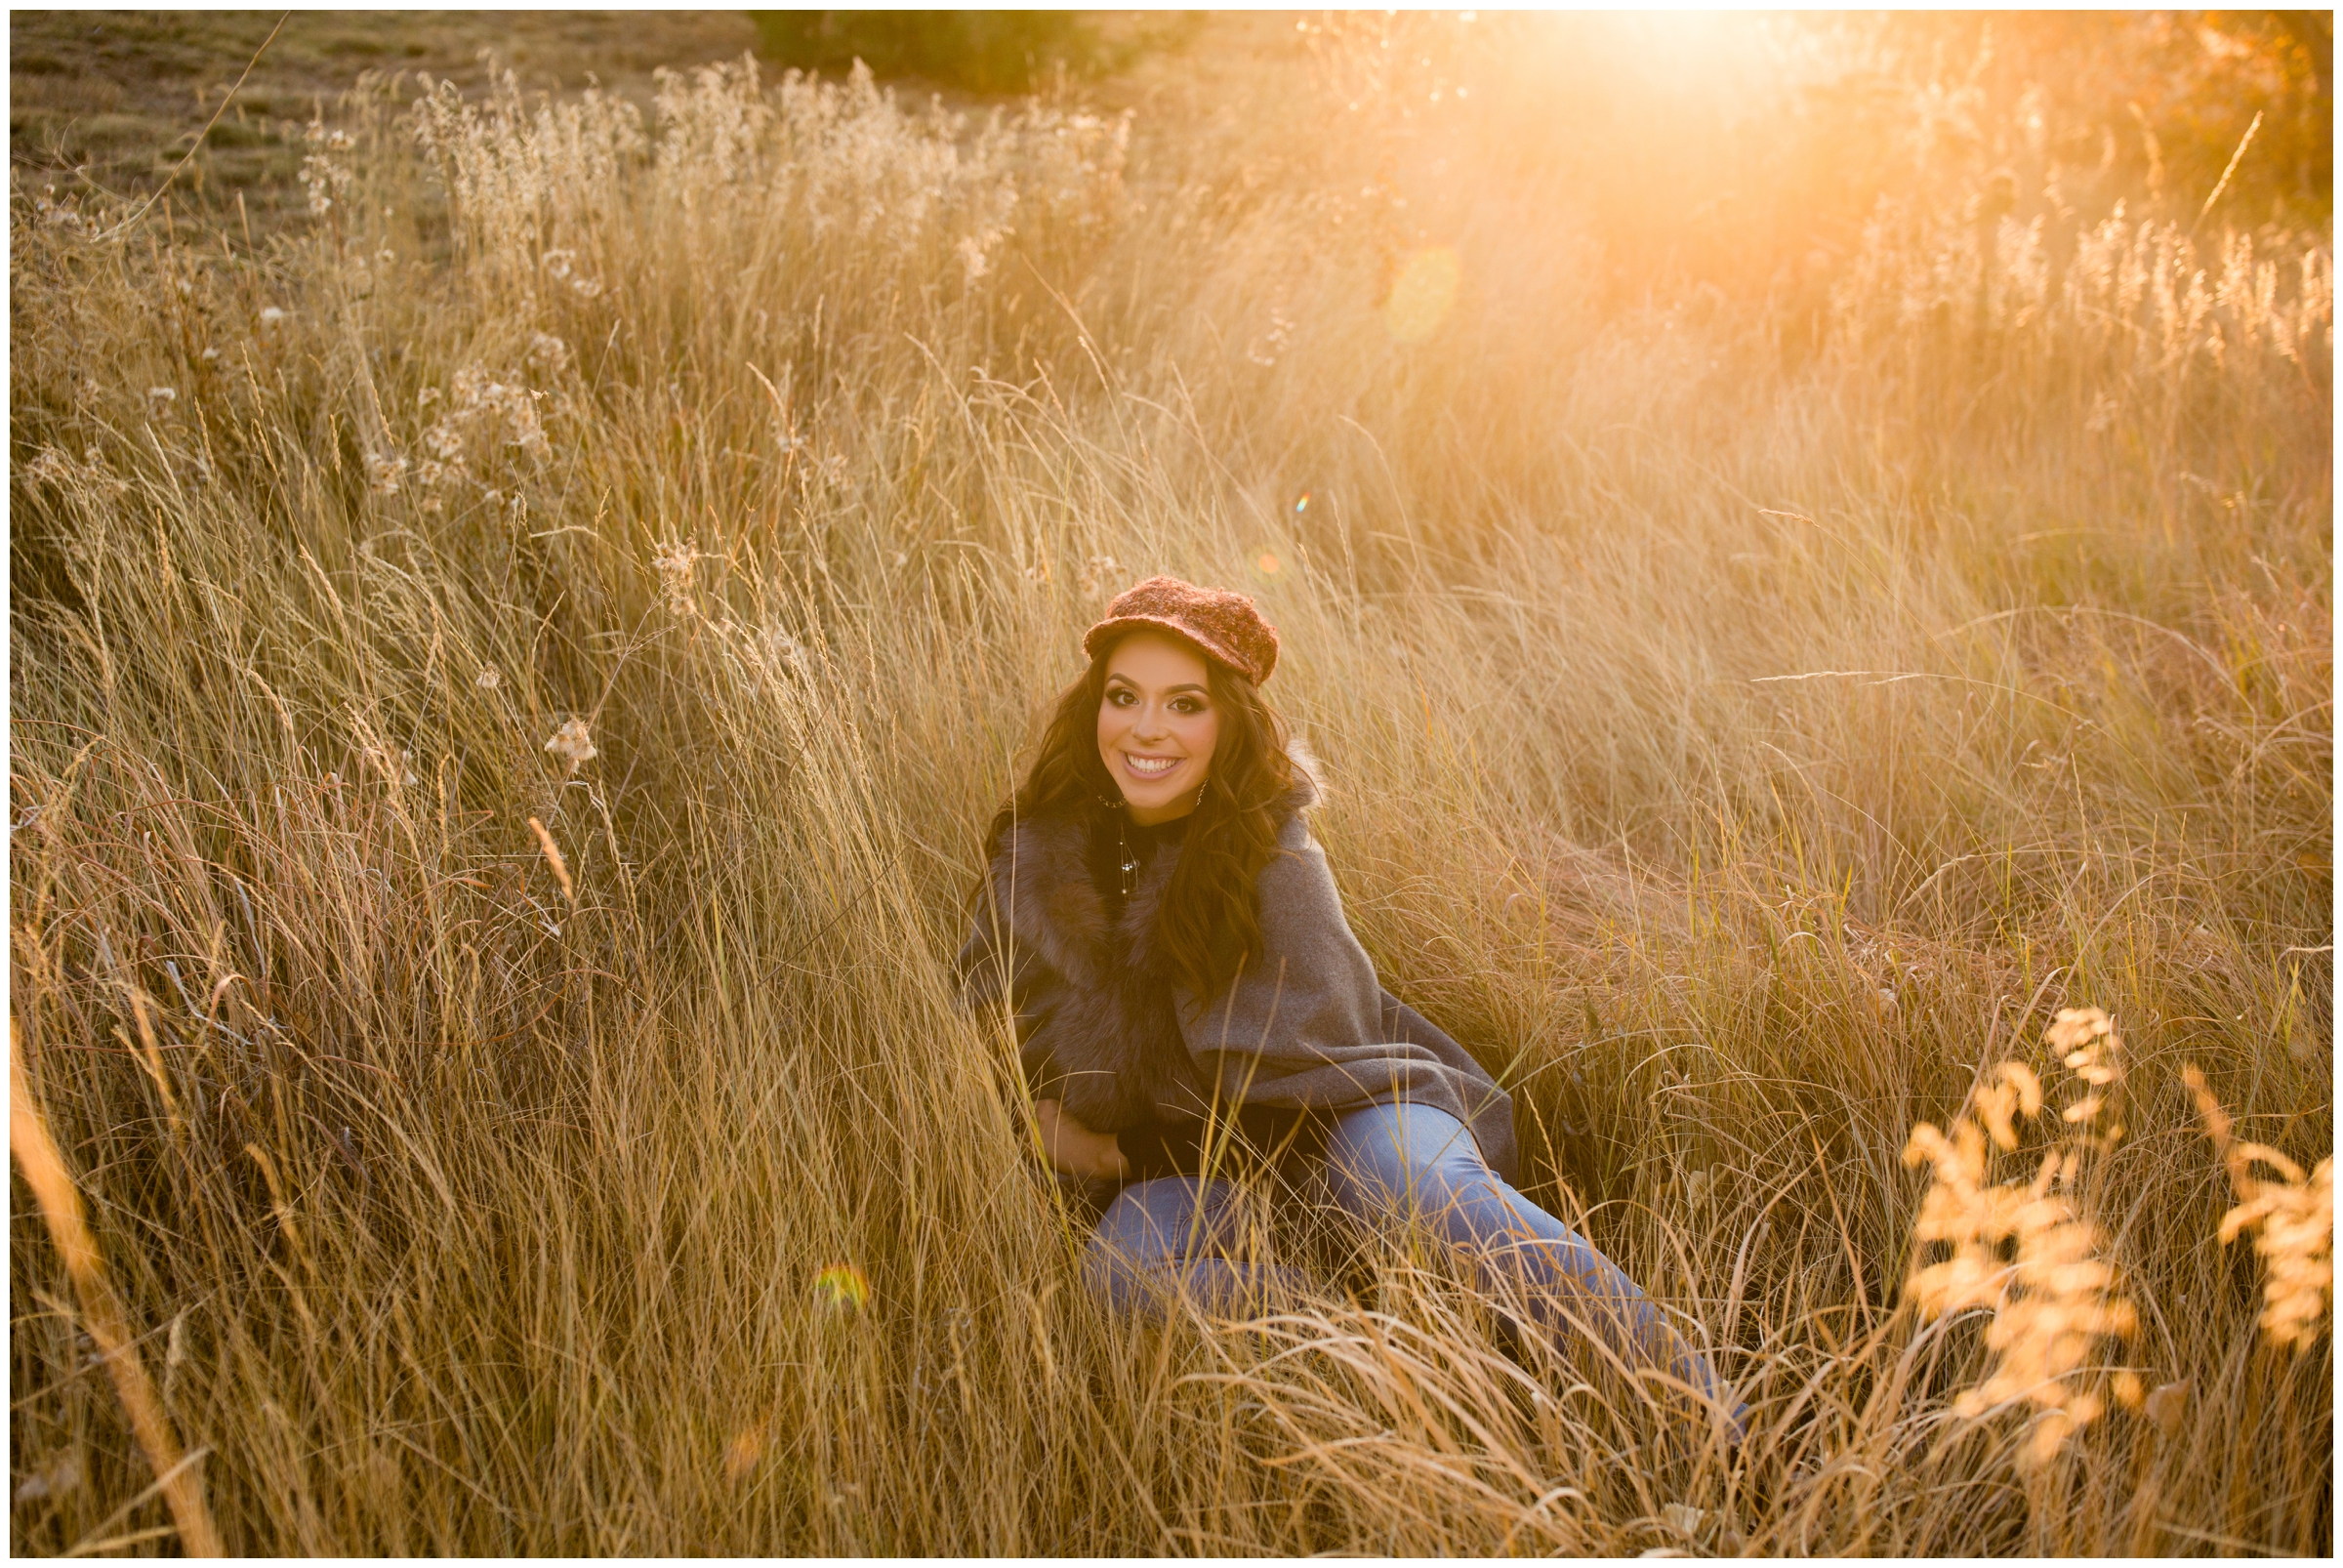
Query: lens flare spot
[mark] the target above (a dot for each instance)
(1267, 563)
(1421, 294)
(742, 1456)
(1304, 505)
(842, 1288)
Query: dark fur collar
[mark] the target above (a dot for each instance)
(1043, 886)
(1103, 1013)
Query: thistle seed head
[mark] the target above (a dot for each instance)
(573, 743)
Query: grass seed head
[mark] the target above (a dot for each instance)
(673, 560)
(2292, 1222)
(2021, 1250)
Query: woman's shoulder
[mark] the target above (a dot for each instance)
(1301, 914)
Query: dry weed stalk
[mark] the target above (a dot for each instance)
(2293, 1221)
(2021, 1249)
(102, 1314)
(553, 858)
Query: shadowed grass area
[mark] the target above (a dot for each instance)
(1750, 715)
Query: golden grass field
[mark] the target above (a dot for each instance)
(1763, 676)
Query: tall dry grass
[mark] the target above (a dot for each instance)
(1747, 723)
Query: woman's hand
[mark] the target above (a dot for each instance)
(1074, 1148)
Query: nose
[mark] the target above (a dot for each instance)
(1149, 724)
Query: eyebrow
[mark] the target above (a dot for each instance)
(1168, 691)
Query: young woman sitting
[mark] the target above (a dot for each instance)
(1165, 934)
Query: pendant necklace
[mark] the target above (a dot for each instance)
(1130, 862)
(1129, 866)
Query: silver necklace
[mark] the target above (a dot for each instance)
(1129, 866)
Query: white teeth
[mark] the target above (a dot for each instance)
(1150, 764)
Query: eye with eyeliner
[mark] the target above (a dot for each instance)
(1126, 696)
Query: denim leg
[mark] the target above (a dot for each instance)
(1422, 1161)
(1179, 1236)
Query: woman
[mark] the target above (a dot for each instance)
(1166, 937)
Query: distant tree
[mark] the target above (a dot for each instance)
(2313, 33)
(983, 51)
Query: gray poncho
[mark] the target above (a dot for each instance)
(1305, 1026)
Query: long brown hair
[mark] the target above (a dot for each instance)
(1211, 922)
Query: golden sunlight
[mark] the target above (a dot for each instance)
(579, 985)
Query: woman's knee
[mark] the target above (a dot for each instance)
(1124, 1281)
(1412, 1160)
(1390, 1148)
(1151, 1283)
(1153, 1236)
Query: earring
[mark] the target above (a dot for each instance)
(1200, 795)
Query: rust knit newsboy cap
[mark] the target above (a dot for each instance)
(1223, 625)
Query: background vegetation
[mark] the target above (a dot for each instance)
(982, 51)
(1804, 546)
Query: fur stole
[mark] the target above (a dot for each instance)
(1097, 1025)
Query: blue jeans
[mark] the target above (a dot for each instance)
(1181, 1236)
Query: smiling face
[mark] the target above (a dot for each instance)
(1157, 726)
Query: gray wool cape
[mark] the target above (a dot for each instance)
(1305, 1025)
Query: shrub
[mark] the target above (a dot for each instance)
(981, 51)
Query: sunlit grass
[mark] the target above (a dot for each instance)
(514, 726)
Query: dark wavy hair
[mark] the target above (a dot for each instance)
(1211, 922)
